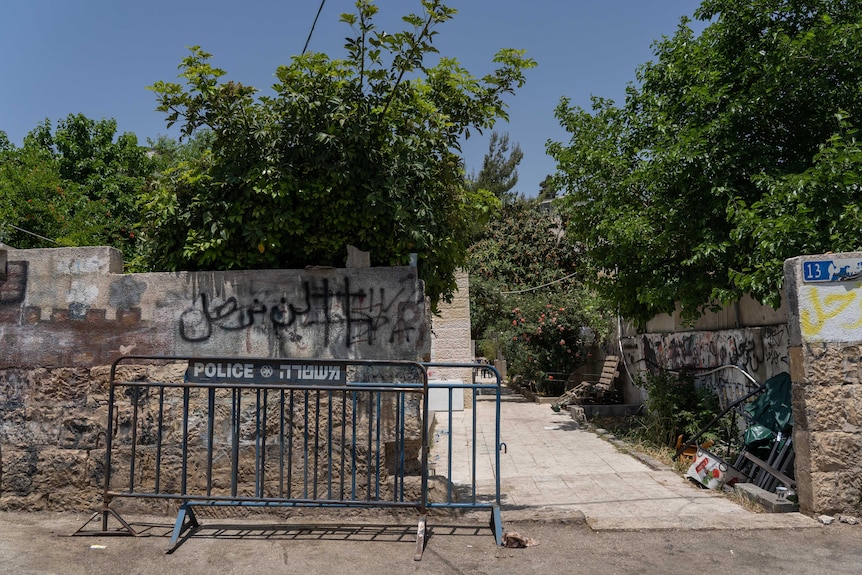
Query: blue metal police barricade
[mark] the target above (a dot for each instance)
(264, 432)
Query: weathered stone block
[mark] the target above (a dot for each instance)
(824, 408)
(833, 451)
(82, 432)
(825, 364)
(852, 365)
(836, 492)
(802, 467)
(67, 385)
(18, 471)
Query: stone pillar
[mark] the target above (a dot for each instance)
(450, 339)
(825, 348)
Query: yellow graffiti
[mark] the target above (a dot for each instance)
(825, 309)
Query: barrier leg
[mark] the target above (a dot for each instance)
(104, 514)
(185, 520)
(420, 540)
(497, 525)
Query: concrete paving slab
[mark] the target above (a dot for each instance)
(553, 468)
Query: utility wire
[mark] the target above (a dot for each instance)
(538, 287)
(313, 24)
(32, 234)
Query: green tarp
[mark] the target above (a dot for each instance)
(770, 413)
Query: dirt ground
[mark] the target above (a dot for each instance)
(39, 543)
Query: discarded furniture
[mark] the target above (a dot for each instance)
(767, 456)
(689, 452)
(589, 392)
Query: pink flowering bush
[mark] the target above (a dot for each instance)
(546, 338)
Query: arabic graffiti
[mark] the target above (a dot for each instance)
(830, 313)
(334, 310)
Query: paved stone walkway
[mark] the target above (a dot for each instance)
(554, 469)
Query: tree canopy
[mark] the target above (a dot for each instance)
(734, 150)
(76, 184)
(362, 150)
(499, 173)
(526, 293)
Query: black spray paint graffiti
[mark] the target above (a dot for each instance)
(751, 351)
(338, 312)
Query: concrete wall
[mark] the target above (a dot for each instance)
(760, 351)
(746, 334)
(66, 314)
(747, 312)
(825, 307)
(74, 307)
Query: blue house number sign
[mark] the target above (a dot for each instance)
(831, 270)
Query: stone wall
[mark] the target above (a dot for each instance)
(826, 368)
(450, 341)
(66, 314)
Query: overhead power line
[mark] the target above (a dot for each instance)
(33, 234)
(538, 287)
(313, 24)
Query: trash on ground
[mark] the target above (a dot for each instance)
(515, 540)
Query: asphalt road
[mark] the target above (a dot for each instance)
(39, 543)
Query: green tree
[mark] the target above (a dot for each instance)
(499, 173)
(33, 195)
(547, 189)
(359, 151)
(526, 295)
(75, 185)
(666, 190)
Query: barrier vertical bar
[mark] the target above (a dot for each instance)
(185, 441)
(398, 463)
(449, 461)
(329, 444)
(377, 446)
(133, 456)
(109, 444)
(368, 451)
(353, 446)
(474, 466)
(260, 441)
(316, 442)
(305, 446)
(343, 440)
(290, 426)
(281, 446)
(236, 423)
(159, 436)
(210, 436)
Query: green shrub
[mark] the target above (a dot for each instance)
(674, 407)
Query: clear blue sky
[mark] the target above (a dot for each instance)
(96, 57)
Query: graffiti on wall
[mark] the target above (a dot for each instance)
(335, 311)
(831, 312)
(760, 351)
(56, 313)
